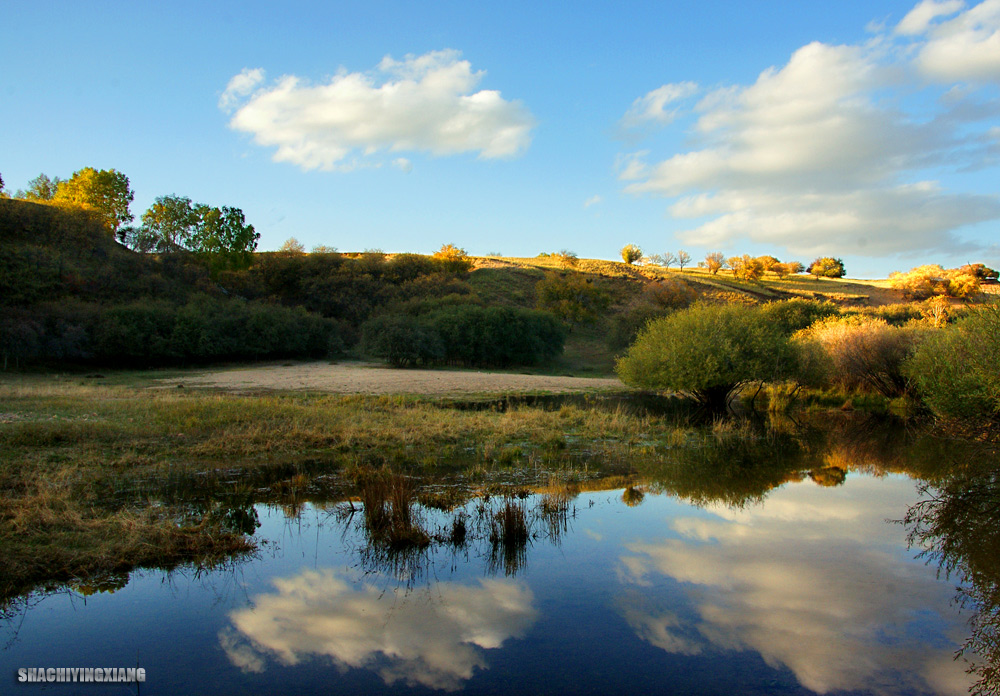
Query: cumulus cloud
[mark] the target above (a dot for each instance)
(966, 48)
(425, 103)
(812, 582)
(652, 108)
(437, 642)
(919, 19)
(240, 86)
(820, 155)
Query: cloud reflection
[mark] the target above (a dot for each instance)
(435, 641)
(811, 581)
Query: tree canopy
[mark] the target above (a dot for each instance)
(827, 267)
(106, 191)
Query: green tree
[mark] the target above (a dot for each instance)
(827, 267)
(168, 224)
(708, 351)
(106, 191)
(631, 253)
(41, 189)
(224, 237)
(571, 297)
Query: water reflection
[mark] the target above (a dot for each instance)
(958, 525)
(812, 581)
(434, 638)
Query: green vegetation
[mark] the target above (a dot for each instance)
(708, 351)
(827, 267)
(955, 368)
(631, 253)
(924, 282)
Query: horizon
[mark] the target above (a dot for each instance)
(863, 131)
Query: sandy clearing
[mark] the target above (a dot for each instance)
(362, 378)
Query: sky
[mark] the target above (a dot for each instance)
(868, 131)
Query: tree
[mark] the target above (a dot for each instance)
(747, 267)
(631, 253)
(669, 259)
(655, 259)
(708, 351)
(683, 258)
(106, 191)
(827, 267)
(929, 280)
(714, 261)
(169, 224)
(783, 270)
(567, 258)
(572, 297)
(224, 237)
(41, 189)
(769, 263)
(292, 247)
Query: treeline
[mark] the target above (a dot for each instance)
(71, 293)
(466, 335)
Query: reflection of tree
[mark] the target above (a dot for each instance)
(958, 525)
(736, 465)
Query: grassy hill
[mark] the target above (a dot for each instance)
(71, 294)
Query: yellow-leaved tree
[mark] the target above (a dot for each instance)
(105, 191)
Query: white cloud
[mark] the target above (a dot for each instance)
(919, 19)
(820, 155)
(420, 103)
(435, 641)
(652, 108)
(403, 164)
(966, 48)
(812, 582)
(593, 200)
(240, 86)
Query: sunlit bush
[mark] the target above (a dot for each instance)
(857, 353)
(926, 281)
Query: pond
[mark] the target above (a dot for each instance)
(717, 574)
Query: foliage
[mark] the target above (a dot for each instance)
(796, 314)
(464, 335)
(955, 369)
(783, 270)
(714, 261)
(827, 267)
(930, 280)
(401, 340)
(980, 271)
(707, 350)
(41, 189)
(571, 296)
(747, 267)
(631, 253)
(453, 259)
(859, 353)
(106, 191)
(567, 258)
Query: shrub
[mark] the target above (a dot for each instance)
(707, 350)
(631, 253)
(571, 297)
(496, 336)
(858, 352)
(955, 369)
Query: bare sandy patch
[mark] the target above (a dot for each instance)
(362, 378)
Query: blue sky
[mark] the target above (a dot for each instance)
(866, 130)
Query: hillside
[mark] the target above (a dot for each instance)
(71, 294)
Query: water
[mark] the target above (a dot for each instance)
(790, 588)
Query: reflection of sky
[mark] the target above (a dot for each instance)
(813, 581)
(434, 640)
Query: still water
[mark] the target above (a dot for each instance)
(806, 588)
